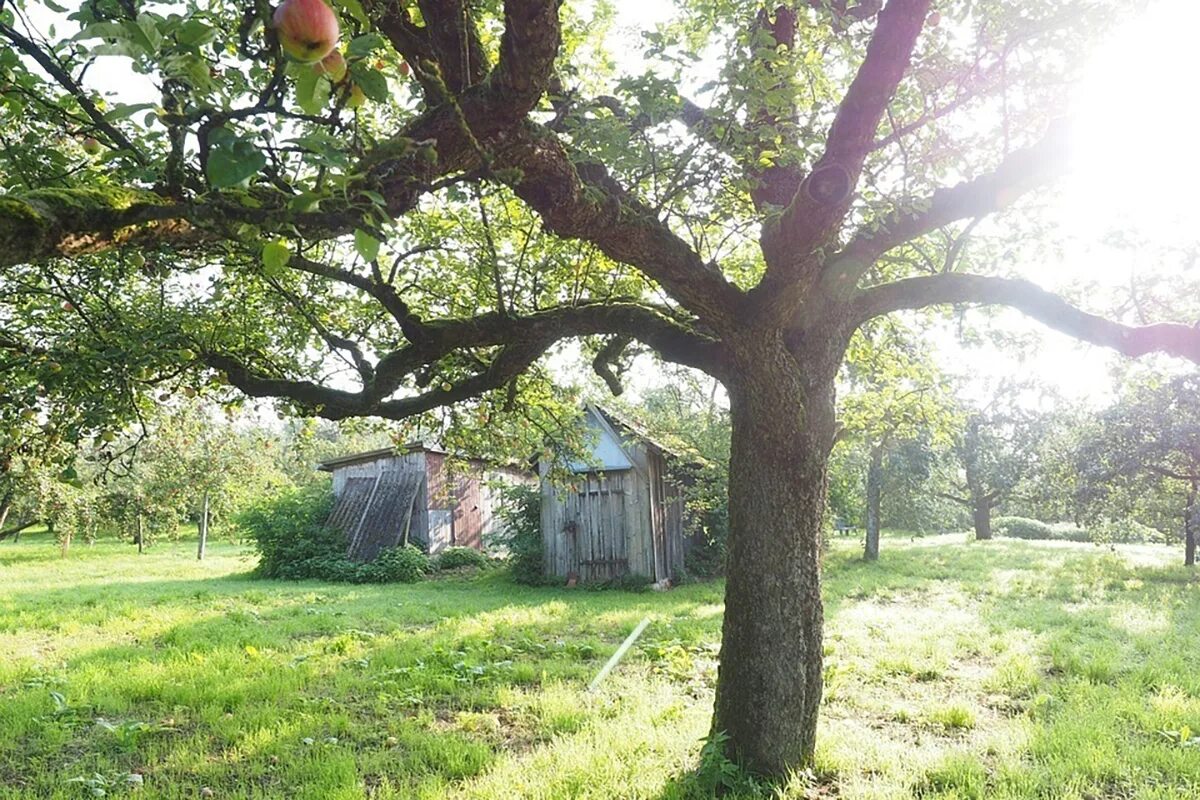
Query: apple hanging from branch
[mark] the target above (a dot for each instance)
(308, 29)
(334, 65)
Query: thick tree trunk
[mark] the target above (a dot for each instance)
(874, 503)
(1189, 528)
(982, 514)
(769, 681)
(203, 528)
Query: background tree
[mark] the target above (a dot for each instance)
(482, 187)
(995, 450)
(897, 397)
(1148, 438)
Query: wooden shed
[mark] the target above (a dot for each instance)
(620, 513)
(415, 494)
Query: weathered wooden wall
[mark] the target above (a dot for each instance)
(616, 522)
(455, 507)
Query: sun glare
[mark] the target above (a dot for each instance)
(1136, 164)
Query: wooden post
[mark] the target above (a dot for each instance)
(140, 531)
(203, 527)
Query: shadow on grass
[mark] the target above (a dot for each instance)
(277, 688)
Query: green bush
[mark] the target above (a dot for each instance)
(294, 543)
(521, 533)
(405, 564)
(1024, 528)
(290, 535)
(455, 557)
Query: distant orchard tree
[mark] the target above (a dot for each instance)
(1148, 438)
(994, 451)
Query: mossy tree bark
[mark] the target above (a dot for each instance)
(770, 677)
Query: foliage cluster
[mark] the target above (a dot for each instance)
(294, 543)
(458, 558)
(1025, 528)
(520, 533)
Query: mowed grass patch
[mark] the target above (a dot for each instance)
(953, 670)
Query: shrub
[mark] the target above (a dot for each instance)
(455, 557)
(521, 533)
(294, 543)
(290, 534)
(1024, 528)
(405, 564)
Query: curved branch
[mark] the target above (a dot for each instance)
(1048, 308)
(522, 341)
(824, 196)
(1021, 172)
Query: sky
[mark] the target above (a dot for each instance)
(1134, 167)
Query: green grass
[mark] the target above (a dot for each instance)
(954, 670)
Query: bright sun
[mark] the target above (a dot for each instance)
(1136, 161)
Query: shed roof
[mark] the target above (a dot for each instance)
(330, 464)
(639, 431)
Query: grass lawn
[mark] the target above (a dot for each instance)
(954, 670)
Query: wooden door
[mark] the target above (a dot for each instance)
(598, 510)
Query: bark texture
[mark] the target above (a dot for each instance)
(982, 516)
(769, 684)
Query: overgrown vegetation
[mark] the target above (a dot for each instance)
(1024, 528)
(293, 543)
(520, 534)
(460, 558)
(998, 670)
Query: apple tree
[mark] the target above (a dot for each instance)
(488, 180)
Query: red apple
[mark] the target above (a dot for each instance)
(91, 146)
(308, 29)
(934, 19)
(405, 68)
(333, 65)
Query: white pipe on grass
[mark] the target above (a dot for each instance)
(617, 656)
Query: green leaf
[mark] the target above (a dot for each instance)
(275, 256)
(354, 8)
(312, 90)
(124, 111)
(371, 81)
(365, 45)
(366, 245)
(232, 161)
(374, 197)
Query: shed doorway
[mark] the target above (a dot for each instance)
(599, 539)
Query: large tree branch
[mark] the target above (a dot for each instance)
(521, 341)
(823, 198)
(1019, 173)
(583, 201)
(1050, 309)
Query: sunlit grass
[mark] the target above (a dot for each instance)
(953, 670)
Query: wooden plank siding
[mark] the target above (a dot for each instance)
(607, 523)
(454, 504)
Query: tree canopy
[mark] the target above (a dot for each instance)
(488, 180)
